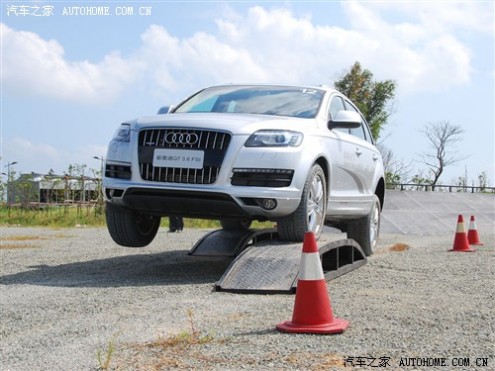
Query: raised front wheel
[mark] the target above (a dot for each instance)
(129, 228)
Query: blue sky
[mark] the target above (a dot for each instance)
(68, 81)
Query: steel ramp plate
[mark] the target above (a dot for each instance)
(272, 266)
(222, 242)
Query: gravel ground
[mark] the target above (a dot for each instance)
(66, 294)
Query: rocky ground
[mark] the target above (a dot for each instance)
(71, 299)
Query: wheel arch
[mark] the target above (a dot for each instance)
(380, 192)
(324, 164)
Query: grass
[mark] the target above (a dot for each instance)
(16, 242)
(72, 216)
(183, 339)
(10, 246)
(166, 352)
(105, 357)
(15, 239)
(52, 216)
(22, 238)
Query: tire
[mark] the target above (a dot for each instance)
(235, 224)
(310, 214)
(129, 228)
(365, 231)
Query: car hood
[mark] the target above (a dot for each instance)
(231, 122)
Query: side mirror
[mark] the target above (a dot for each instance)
(165, 109)
(345, 120)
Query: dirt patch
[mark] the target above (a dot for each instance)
(399, 247)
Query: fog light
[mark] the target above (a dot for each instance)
(267, 203)
(112, 193)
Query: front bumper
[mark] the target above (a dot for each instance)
(195, 203)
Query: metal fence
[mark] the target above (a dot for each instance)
(439, 188)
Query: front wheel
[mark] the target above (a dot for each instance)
(129, 228)
(310, 214)
(365, 231)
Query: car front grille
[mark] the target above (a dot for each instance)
(213, 143)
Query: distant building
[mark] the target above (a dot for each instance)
(52, 188)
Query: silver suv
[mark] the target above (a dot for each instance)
(302, 157)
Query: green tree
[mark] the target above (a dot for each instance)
(3, 191)
(483, 181)
(373, 98)
(420, 180)
(76, 172)
(25, 189)
(11, 188)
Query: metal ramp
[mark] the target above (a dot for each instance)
(265, 264)
(223, 242)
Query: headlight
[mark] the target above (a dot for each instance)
(274, 138)
(123, 133)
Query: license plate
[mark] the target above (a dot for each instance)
(184, 158)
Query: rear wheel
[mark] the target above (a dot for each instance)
(310, 214)
(130, 228)
(365, 231)
(235, 224)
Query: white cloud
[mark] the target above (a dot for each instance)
(421, 49)
(421, 54)
(199, 60)
(442, 16)
(41, 157)
(276, 46)
(35, 66)
(29, 155)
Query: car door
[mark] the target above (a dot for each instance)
(365, 156)
(342, 148)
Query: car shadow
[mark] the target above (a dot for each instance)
(165, 268)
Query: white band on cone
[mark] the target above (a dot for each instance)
(310, 268)
(460, 228)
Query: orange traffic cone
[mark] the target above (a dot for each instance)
(473, 237)
(312, 311)
(461, 242)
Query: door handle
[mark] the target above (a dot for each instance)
(375, 157)
(358, 152)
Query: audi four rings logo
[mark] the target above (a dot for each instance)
(181, 138)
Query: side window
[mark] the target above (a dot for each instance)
(357, 132)
(336, 105)
(367, 131)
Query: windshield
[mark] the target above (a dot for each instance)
(261, 100)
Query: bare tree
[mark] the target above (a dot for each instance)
(396, 171)
(441, 136)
